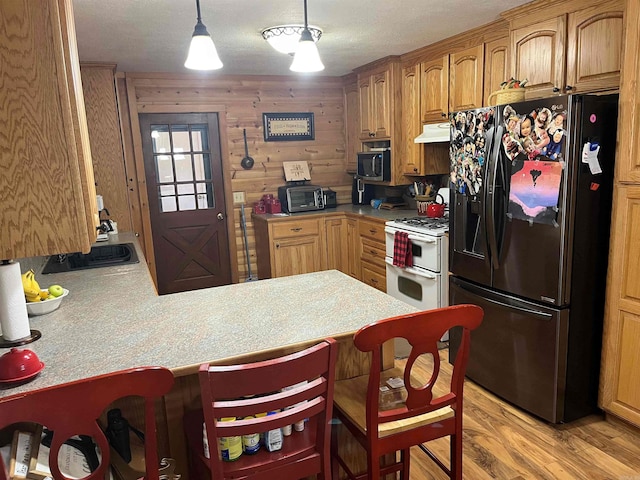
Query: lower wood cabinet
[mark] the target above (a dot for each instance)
(350, 243)
(289, 246)
(372, 253)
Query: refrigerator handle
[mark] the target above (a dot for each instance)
(529, 311)
(490, 202)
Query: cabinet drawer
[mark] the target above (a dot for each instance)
(295, 228)
(372, 229)
(374, 276)
(373, 252)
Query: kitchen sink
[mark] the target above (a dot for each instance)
(99, 256)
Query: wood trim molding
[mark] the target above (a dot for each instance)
(180, 108)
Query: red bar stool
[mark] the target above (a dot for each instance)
(385, 422)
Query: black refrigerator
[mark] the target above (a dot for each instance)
(531, 192)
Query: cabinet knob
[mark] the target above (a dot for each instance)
(443, 115)
(297, 229)
(415, 169)
(556, 89)
(277, 245)
(568, 88)
(372, 134)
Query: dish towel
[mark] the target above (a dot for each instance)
(402, 256)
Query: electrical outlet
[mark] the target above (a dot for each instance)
(238, 197)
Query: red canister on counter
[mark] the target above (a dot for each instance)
(259, 207)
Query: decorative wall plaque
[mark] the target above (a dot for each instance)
(280, 127)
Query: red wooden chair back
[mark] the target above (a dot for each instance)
(249, 390)
(74, 409)
(423, 415)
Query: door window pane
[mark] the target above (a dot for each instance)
(168, 204)
(160, 138)
(185, 189)
(184, 171)
(180, 137)
(202, 166)
(187, 202)
(164, 168)
(199, 138)
(167, 190)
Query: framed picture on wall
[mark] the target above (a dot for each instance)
(279, 127)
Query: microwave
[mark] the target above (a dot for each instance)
(375, 165)
(301, 198)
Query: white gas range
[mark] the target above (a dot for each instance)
(424, 284)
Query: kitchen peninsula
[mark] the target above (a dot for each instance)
(112, 319)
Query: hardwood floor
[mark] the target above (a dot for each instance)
(503, 442)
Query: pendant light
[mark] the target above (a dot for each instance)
(306, 58)
(202, 52)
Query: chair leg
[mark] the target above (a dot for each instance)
(335, 467)
(405, 458)
(456, 457)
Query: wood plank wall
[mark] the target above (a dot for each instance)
(242, 101)
(106, 144)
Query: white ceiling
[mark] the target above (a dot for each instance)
(154, 35)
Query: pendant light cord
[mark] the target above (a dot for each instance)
(198, 9)
(306, 26)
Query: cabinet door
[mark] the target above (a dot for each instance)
(293, 256)
(594, 47)
(496, 66)
(620, 383)
(465, 79)
(352, 125)
(336, 231)
(537, 54)
(352, 246)
(381, 104)
(47, 192)
(364, 93)
(375, 276)
(434, 90)
(411, 125)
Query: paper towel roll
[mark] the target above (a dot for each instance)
(14, 320)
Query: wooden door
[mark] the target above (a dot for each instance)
(434, 90)
(353, 249)
(411, 124)
(294, 256)
(352, 126)
(183, 170)
(466, 69)
(364, 89)
(381, 103)
(496, 66)
(335, 229)
(537, 54)
(594, 47)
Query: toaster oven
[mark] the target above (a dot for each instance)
(301, 198)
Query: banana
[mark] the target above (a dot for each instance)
(44, 294)
(31, 288)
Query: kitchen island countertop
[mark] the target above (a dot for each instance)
(113, 319)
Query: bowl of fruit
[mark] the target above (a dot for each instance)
(41, 301)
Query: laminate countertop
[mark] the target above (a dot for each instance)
(113, 319)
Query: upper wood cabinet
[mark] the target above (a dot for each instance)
(594, 47)
(496, 66)
(434, 90)
(466, 72)
(375, 90)
(352, 124)
(47, 192)
(574, 52)
(537, 54)
(412, 163)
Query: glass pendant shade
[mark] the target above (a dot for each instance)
(306, 58)
(202, 52)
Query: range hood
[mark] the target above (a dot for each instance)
(434, 132)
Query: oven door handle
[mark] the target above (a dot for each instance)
(415, 271)
(417, 239)
(414, 238)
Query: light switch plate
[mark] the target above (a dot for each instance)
(238, 197)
